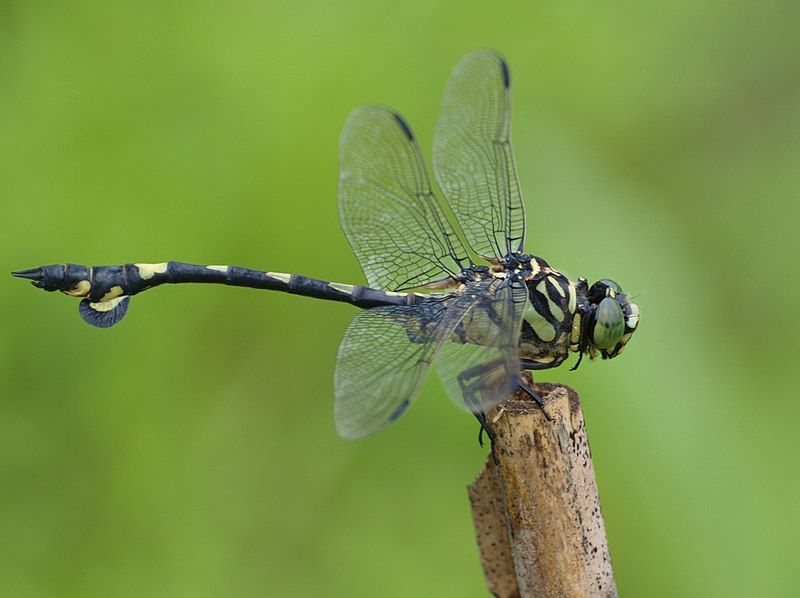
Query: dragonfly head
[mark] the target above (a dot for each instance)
(612, 321)
(70, 279)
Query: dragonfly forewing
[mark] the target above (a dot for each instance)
(472, 156)
(387, 209)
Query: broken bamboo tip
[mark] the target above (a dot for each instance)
(535, 507)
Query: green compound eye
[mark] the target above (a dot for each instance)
(611, 284)
(603, 288)
(609, 324)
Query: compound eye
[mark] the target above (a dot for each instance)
(603, 288)
(609, 324)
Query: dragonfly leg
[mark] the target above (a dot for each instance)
(523, 386)
(485, 427)
(470, 383)
(535, 365)
(532, 366)
(469, 392)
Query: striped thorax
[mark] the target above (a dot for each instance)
(563, 316)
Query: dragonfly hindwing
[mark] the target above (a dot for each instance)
(386, 353)
(479, 368)
(105, 313)
(382, 362)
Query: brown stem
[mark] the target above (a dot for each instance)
(536, 510)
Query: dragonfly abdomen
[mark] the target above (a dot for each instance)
(105, 290)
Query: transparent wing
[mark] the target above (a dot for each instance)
(387, 351)
(478, 365)
(382, 362)
(386, 207)
(472, 155)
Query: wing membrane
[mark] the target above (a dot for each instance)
(382, 362)
(387, 351)
(387, 209)
(478, 365)
(472, 156)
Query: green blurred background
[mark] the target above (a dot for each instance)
(191, 450)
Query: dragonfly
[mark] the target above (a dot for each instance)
(448, 281)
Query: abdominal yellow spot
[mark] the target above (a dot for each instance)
(80, 290)
(147, 271)
(115, 292)
(280, 276)
(342, 288)
(447, 283)
(545, 359)
(104, 306)
(223, 269)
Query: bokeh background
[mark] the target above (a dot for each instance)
(191, 451)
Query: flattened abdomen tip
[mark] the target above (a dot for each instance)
(104, 314)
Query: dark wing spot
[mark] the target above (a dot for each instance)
(403, 125)
(103, 319)
(506, 74)
(401, 409)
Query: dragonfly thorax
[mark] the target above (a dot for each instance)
(563, 316)
(548, 322)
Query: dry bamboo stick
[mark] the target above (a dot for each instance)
(536, 509)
